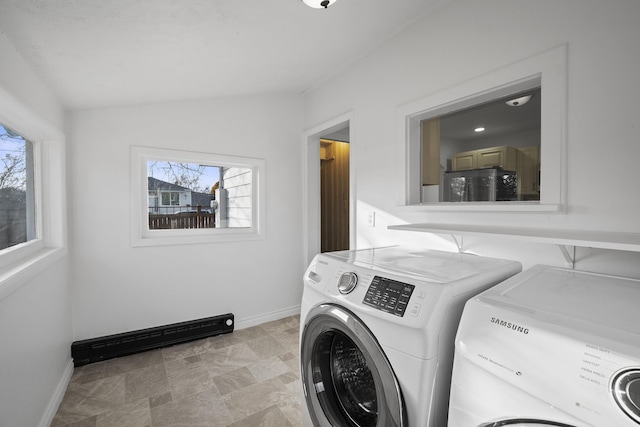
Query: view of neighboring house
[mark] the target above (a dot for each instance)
(166, 198)
(202, 199)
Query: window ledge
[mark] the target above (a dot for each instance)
(526, 207)
(15, 275)
(199, 236)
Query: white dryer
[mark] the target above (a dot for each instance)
(549, 347)
(377, 330)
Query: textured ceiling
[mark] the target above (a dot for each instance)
(96, 53)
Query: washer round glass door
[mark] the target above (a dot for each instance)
(347, 378)
(625, 387)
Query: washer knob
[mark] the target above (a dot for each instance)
(347, 282)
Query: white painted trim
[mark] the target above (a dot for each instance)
(267, 317)
(140, 233)
(311, 183)
(14, 277)
(550, 68)
(25, 261)
(484, 207)
(58, 395)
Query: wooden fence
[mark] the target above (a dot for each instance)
(181, 220)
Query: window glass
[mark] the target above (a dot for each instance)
(190, 195)
(181, 195)
(485, 153)
(17, 206)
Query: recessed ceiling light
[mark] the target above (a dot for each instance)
(479, 129)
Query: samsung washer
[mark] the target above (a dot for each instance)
(549, 347)
(377, 330)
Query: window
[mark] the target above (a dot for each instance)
(187, 197)
(17, 203)
(485, 153)
(170, 198)
(539, 156)
(33, 195)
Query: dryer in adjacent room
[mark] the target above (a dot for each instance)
(377, 330)
(549, 347)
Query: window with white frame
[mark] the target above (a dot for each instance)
(192, 197)
(545, 76)
(17, 195)
(32, 194)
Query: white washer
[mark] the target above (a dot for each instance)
(549, 347)
(377, 330)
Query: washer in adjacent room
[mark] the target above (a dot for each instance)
(549, 347)
(377, 330)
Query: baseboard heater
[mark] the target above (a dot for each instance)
(108, 347)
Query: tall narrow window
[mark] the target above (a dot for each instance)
(17, 200)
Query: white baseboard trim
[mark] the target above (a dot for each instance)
(267, 317)
(58, 395)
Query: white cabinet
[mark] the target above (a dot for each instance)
(504, 156)
(524, 161)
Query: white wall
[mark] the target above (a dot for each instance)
(35, 319)
(465, 39)
(118, 288)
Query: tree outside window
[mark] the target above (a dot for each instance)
(17, 206)
(185, 192)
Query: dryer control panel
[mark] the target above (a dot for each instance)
(388, 295)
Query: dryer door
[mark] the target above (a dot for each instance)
(347, 378)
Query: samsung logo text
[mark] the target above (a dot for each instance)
(509, 325)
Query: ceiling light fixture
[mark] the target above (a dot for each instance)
(319, 4)
(518, 102)
(479, 129)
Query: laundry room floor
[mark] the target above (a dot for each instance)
(247, 378)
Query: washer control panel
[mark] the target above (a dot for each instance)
(388, 295)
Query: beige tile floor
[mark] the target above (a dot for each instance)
(247, 378)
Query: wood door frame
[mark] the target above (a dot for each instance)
(311, 184)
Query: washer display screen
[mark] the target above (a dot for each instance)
(388, 295)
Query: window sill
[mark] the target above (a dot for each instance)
(15, 275)
(525, 207)
(198, 236)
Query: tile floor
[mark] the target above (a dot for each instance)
(247, 378)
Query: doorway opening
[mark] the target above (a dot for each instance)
(328, 214)
(334, 195)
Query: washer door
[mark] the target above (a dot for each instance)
(625, 387)
(347, 378)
